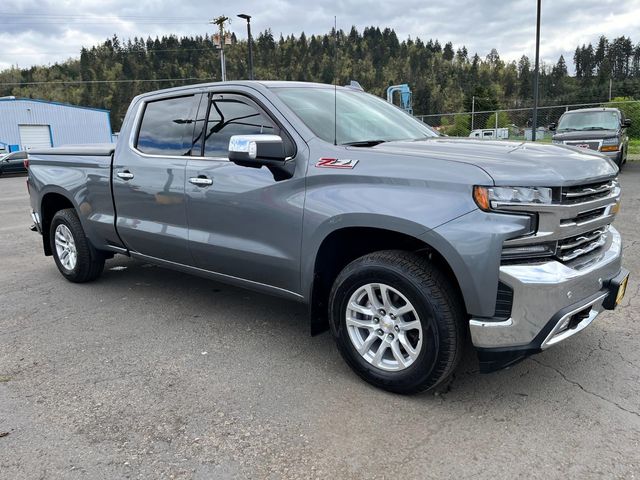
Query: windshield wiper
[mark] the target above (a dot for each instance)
(568, 129)
(364, 143)
(597, 128)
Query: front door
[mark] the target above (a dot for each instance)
(149, 178)
(243, 222)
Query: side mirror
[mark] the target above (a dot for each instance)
(626, 123)
(553, 126)
(256, 151)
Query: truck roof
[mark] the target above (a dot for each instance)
(259, 84)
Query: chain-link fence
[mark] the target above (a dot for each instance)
(513, 124)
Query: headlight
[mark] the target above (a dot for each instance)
(609, 145)
(485, 197)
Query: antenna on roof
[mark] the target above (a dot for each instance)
(335, 81)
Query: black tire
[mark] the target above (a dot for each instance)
(90, 262)
(439, 308)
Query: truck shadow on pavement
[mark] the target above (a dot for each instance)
(203, 306)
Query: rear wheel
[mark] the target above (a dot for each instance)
(397, 321)
(75, 257)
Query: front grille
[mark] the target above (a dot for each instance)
(584, 144)
(575, 224)
(585, 193)
(574, 247)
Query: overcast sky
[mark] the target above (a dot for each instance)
(35, 32)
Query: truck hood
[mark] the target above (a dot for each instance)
(585, 135)
(512, 163)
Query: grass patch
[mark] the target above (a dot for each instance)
(634, 146)
(5, 379)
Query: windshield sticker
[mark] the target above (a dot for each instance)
(336, 163)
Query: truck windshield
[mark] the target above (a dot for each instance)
(362, 119)
(603, 120)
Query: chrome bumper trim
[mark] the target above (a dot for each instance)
(558, 334)
(541, 290)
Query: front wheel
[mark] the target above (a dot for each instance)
(397, 321)
(75, 257)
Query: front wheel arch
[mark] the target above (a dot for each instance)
(344, 245)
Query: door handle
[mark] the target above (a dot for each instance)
(201, 181)
(126, 175)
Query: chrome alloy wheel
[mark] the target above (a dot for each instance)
(66, 247)
(384, 327)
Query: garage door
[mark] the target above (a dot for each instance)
(33, 136)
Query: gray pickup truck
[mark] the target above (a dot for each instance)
(401, 242)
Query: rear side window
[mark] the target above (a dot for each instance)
(167, 127)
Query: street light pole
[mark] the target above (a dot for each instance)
(249, 41)
(534, 120)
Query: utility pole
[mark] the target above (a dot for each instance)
(249, 41)
(220, 21)
(610, 84)
(534, 122)
(473, 109)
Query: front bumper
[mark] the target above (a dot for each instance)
(548, 297)
(615, 156)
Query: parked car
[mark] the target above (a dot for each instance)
(599, 129)
(401, 242)
(13, 162)
(491, 133)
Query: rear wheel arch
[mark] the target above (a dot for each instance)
(52, 203)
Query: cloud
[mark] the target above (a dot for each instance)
(47, 31)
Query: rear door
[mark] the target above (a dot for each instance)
(149, 178)
(243, 222)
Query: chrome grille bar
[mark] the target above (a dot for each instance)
(584, 250)
(588, 191)
(581, 240)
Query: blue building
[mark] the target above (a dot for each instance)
(27, 123)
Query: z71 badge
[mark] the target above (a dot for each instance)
(336, 163)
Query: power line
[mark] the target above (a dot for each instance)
(82, 82)
(106, 22)
(47, 15)
(131, 52)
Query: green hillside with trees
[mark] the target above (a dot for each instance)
(443, 79)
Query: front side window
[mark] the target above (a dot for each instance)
(167, 127)
(232, 115)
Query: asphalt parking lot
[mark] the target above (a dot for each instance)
(149, 373)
